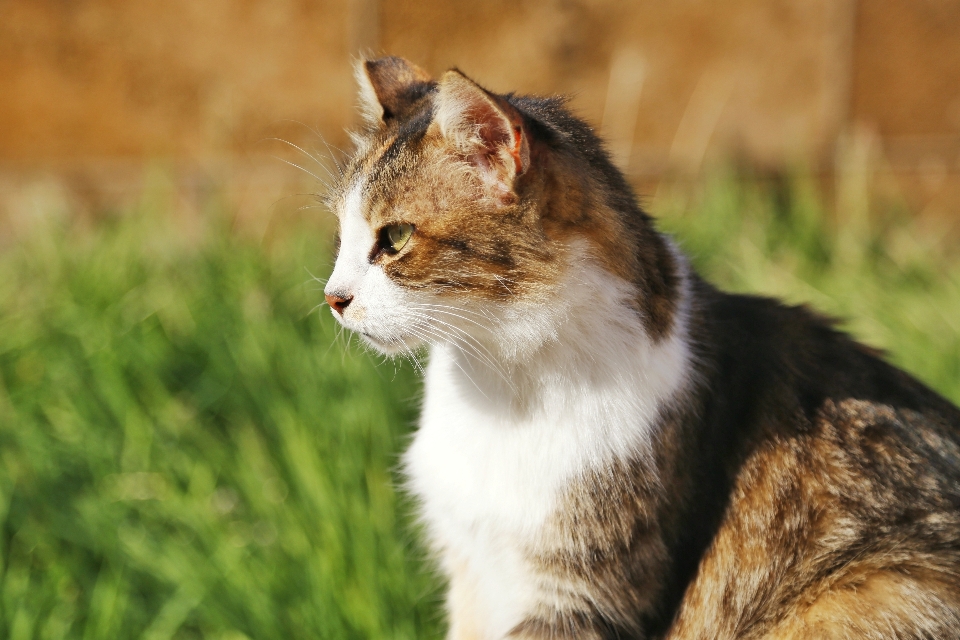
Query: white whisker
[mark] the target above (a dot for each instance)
(304, 152)
(309, 173)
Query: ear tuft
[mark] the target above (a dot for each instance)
(390, 87)
(483, 127)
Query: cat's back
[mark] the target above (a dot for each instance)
(841, 475)
(849, 530)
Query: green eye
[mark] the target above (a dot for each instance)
(395, 236)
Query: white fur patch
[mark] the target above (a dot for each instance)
(356, 242)
(581, 384)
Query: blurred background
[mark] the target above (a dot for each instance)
(188, 449)
(90, 90)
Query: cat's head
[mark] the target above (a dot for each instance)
(462, 213)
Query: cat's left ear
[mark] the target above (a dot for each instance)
(486, 129)
(390, 87)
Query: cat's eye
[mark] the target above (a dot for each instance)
(395, 236)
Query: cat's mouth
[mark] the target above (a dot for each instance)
(377, 341)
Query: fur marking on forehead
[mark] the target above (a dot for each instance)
(368, 172)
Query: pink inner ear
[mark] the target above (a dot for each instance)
(497, 132)
(493, 127)
(487, 129)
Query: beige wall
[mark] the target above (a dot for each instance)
(188, 78)
(765, 77)
(671, 83)
(907, 87)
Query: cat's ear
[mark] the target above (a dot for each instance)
(485, 129)
(389, 87)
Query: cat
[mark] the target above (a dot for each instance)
(610, 447)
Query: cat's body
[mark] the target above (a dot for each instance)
(609, 447)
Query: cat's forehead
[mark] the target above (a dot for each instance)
(371, 152)
(387, 167)
(359, 180)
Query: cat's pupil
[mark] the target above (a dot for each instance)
(398, 235)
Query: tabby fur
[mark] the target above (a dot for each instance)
(609, 446)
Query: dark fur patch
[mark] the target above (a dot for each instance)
(398, 85)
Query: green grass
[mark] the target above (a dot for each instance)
(186, 450)
(893, 282)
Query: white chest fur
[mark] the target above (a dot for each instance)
(490, 470)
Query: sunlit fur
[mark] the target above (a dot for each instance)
(609, 447)
(494, 455)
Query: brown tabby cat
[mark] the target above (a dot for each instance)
(609, 446)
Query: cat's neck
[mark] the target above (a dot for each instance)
(588, 342)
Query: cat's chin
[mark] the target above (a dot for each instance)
(391, 347)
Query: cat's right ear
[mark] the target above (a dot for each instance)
(486, 129)
(389, 87)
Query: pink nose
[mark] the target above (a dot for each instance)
(338, 303)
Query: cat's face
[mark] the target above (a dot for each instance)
(439, 240)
